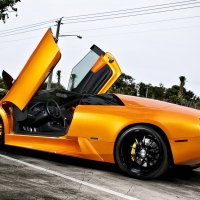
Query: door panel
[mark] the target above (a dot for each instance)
(95, 73)
(93, 82)
(39, 65)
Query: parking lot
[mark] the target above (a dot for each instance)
(27, 174)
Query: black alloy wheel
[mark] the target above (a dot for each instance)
(141, 153)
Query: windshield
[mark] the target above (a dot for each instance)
(81, 69)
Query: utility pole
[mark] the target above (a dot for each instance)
(147, 88)
(56, 39)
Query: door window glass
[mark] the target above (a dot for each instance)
(81, 69)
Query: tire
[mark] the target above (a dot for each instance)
(1, 133)
(141, 153)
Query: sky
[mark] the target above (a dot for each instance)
(150, 44)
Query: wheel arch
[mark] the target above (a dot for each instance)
(4, 120)
(157, 129)
(1, 131)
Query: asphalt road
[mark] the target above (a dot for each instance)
(42, 176)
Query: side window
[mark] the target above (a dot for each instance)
(81, 69)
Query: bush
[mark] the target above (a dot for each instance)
(2, 93)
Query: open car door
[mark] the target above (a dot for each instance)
(37, 68)
(95, 73)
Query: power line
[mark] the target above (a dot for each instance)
(135, 24)
(116, 12)
(167, 29)
(25, 28)
(20, 39)
(150, 22)
(102, 17)
(25, 31)
(28, 26)
(129, 9)
(117, 17)
(7, 47)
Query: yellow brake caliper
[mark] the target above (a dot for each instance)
(133, 151)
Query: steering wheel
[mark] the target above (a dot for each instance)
(53, 111)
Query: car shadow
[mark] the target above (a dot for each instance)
(175, 174)
(60, 160)
(183, 173)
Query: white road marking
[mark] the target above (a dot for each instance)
(72, 179)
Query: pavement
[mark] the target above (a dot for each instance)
(27, 174)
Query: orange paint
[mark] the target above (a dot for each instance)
(94, 129)
(98, 65)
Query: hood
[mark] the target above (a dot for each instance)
(37, 68)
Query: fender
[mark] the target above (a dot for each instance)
(4, 119)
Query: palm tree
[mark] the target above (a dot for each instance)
(182, 83)
(58, 73)
(73, 77)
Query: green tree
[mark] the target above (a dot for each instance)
(173, 91)
(7, 6)
(73, 77)
(53, 85)
(157, 92)
(171, 95)
(2, 85)
(2, 93)
(58, 73)
(142, 89)
(182, 84)
(124, 85)
(198, 104)
(150, 91)
(189, 95)
(57, 85)
(3, 89)
(175, 99)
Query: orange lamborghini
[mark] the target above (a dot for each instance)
(144, 137)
